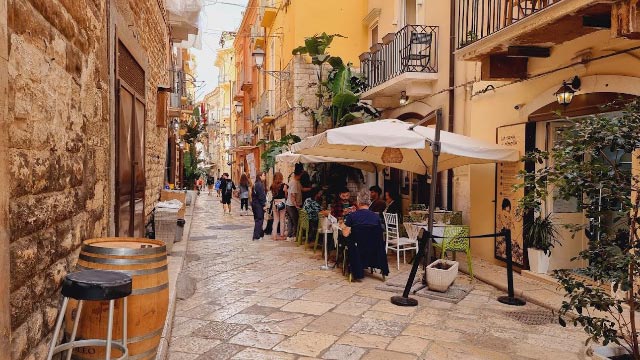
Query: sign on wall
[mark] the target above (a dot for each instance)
(252, 166)
(507, 216)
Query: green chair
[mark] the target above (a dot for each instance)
(456, 239)
(303, 227)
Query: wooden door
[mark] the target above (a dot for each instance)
(130, 146)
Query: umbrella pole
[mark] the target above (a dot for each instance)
(405, 300)
(435, 149)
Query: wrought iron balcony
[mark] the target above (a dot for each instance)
(412, 49)
(480, 18)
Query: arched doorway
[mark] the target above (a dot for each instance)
(547, 122)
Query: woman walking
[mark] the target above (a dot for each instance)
(279, 193)
(244, 194)
(258, 203)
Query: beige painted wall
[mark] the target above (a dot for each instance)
(485, 112)
(5, 312)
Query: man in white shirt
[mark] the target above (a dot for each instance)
(293, 202)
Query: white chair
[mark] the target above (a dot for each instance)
(397, 243)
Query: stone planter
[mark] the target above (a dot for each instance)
(609, 352)
(538, 261)
(440, 280)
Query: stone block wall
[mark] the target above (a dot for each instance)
(60, 141)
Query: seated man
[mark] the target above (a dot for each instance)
(366, 246)
(343, 205)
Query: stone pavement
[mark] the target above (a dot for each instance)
(270, 300)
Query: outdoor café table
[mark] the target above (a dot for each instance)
(328, 224)
(438, 230)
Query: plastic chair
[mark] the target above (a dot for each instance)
(394, 241)
(303, 226)
(456, 239)
(323, 227)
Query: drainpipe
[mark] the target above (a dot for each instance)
(452, 81)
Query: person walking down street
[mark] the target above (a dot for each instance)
(216, 186)
(226, 187)
(294, 202)
(258, 204)
(244, 194)
(278, 207)
(210, 182)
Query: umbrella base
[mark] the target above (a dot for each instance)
(404, 301)
(511, 301)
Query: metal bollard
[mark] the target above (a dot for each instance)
(510, 299)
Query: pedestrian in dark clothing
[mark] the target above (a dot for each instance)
(227, 187)
(258, 203)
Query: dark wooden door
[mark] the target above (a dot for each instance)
(130, 146)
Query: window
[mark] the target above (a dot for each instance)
(374, 35)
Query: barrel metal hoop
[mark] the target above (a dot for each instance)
(135, 339)
(121, 261)
(134, 272)
(149, 354)
(123, 251)
(149, 290)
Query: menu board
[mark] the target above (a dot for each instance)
(512, 136)
(252, 166)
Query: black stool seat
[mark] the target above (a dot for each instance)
(96, 285)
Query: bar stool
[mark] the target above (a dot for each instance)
(93, 285)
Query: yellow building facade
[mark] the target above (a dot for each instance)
(496, 80)
(274, 96)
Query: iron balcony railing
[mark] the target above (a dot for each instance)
(477, 19)
(412, 49)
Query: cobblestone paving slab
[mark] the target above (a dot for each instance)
(269, 300)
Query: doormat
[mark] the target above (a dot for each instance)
(453, 295)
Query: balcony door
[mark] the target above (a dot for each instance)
(130, 169)
(407, 13)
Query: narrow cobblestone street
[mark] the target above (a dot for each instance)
(270, 300)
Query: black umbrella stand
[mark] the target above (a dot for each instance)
(425, 245)
(425, 241)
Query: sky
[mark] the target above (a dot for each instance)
(217, 16)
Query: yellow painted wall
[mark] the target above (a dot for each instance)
(304, 18)
(486, 112)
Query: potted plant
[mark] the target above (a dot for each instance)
(540, 235)
(592, 162)
(441, 274)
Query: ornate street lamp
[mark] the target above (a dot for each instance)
(565, 94)
(238, 107)
(258, 57)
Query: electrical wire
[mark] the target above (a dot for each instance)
(545, 73)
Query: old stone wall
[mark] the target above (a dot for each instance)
(59, 120)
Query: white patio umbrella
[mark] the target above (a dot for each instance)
(292, 158)
(403, 146)
(410, 147)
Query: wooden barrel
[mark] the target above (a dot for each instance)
(145, 261)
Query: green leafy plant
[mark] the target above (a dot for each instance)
(339, 95)
(591, 161)
(274, 148)
(194, 130)
(541, 234)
